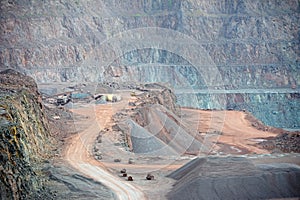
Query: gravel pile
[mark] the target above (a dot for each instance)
(234, 178)
(286, 142)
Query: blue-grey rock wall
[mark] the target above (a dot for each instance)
(274, 109)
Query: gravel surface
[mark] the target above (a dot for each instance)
(235, 178)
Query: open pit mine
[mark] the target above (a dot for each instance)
(149, 99)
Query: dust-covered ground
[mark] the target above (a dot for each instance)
(107, 136)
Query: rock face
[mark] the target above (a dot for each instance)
(247, 44)
(275, 108)
(252, 43)
(24, 137)
(162, 95)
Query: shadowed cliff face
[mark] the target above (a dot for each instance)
(24, 137)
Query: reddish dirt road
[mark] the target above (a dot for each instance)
(238, 137)
(78, 155)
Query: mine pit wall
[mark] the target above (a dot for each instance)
(274, 109)
(253, 44)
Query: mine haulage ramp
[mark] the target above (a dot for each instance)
(234, 178)
(163, 133)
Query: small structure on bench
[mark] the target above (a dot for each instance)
(108, 97)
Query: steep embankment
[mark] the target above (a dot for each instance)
(24, 139)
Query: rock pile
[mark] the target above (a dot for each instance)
(286, 142)
(234, 178)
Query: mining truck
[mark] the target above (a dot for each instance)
(149, 177)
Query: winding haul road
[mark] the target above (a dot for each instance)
(78, 155)
(237, 132)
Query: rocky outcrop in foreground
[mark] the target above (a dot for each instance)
(24, 138)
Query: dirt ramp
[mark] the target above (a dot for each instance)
(235, 178)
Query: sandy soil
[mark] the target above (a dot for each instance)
(227, 131)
